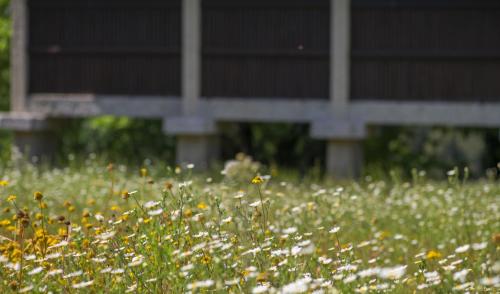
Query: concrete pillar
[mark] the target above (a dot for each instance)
(344, 158)
(34, 134)
(19, 55)
(196, 140)
(202, 151)
(340, 57)
(344, 152)
(36, 146)
(191, 56)
(342, 132)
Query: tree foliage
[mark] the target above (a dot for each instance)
(5, 32)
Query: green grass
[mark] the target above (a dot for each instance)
(213, 234)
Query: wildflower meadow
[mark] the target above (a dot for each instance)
(104, 228)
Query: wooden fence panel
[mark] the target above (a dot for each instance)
(265, 48)
(105, 46)
(436, 50)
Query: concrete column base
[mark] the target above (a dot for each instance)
(36, 146)
(344, 159)
(200, 150)
(34, 136)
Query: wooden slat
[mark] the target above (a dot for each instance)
(442, 4)
(105, 47)
(436, 52)
(272, 48)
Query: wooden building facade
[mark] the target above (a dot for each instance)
(339, 65)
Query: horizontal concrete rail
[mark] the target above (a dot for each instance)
(275, 110)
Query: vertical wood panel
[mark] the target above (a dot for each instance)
(105, 47)
(272, 48)
(426, 50)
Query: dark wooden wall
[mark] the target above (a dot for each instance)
(404, 50)
(426, 50)
(126, 47)
(265, 48)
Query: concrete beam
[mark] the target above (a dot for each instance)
(380, 112)
(19, 55)
(462, 114)
(24, 121)
(84, 105)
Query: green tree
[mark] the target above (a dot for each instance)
(4, 54)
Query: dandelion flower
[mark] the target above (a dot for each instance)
(433, 255)
(257, 180)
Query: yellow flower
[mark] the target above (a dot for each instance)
(202, 205)
(4, 223)
(4, 183)
(188, 213)
(62, 232)
(257, 180)
(433, 254)
(205, 259)
(11, 198)
(125, 194)
(85, 243)
(38, 196)
(262, 277)
(144, 172)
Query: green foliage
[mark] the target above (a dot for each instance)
(5, 32)
(118, 139)
(432, 149)
(287, 145)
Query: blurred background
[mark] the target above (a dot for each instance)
(127, 140)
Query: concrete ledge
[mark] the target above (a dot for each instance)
(193, 126)
(24, 121)
(84, 105)
(462, 114)
(240, 109)
(338, 129)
